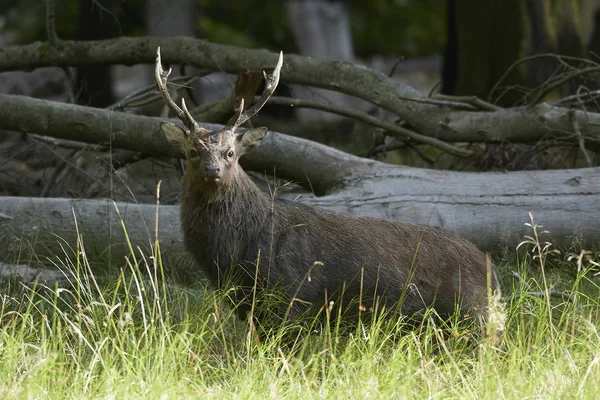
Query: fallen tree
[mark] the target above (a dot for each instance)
(494, 215)
(444, 120)
(490, 209)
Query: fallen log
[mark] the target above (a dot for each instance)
(488, 209)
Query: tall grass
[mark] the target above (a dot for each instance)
(136, 336)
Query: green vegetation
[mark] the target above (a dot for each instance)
(135, 336)
(405, 28)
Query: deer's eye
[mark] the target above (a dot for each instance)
(230, 154)
(193, 153)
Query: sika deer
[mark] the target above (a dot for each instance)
(313, 255)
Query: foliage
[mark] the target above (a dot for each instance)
(27, 17)
(406, 28)
(378, 27)
(400, 27)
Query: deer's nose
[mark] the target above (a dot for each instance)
(212, 170)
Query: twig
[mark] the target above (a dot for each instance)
(441, 103)
(364, 117)
(62, 166)
(398, 62)
(68, 144)
(471, 100)
(566, 78)
(590, 96)
(51, 22)
(533, 57)
(385, 147)
(580, 139)
(434, 88)
(376, 150)
(523, 281)
(149, 94)
(551, 293)
(60, 157)
(420, 153)
(187, 88)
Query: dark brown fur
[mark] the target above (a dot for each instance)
(226, 224)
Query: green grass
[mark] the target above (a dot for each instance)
(135, 336)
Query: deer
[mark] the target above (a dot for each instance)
(238, 234)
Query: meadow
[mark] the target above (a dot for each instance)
(137, 335)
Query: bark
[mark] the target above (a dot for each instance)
(515, 125)
(45, 231)
(27, 275)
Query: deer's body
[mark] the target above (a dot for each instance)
(225, 227)
(315, 256)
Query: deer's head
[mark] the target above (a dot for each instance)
(213, 156)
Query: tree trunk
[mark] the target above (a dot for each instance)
(172, 18)
(490, 36)
(93, 84)
(321, 30)
(45, 231)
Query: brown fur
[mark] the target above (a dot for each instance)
(226, 222)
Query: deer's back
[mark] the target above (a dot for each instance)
(378, 258)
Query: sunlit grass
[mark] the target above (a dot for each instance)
(136, 336)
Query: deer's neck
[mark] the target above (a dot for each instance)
(222, 220)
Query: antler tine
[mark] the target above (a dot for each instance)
(238, 112)
(161, 76)
(271, 84)
(191, 122)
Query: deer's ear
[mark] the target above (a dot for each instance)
(173, 132)
(250, 139)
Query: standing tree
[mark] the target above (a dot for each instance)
(93, 85)
(486, 38)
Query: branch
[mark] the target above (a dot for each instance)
(560, 58)
(551, 293)
(581, 143)
(515, 125)
(561, 81)
(473, 101)
(316, 166)
(394, 129)
(578, 98)
(27, 275)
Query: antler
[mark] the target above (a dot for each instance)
(271, 82)
(183, 114)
